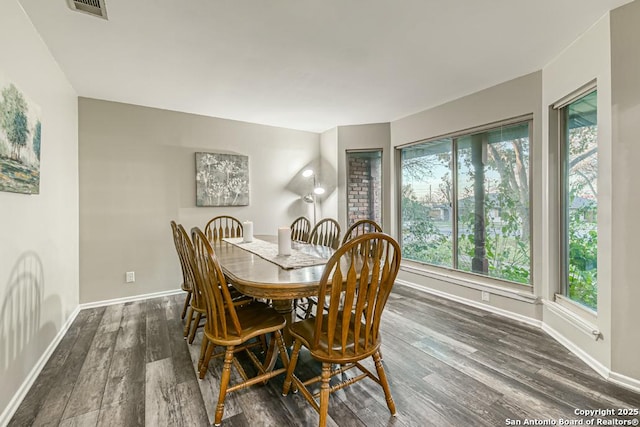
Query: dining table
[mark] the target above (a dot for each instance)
(257, 277)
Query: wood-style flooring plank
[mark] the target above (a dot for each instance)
(89, 387)
(111, 319)
(157, 334)
(161, 405)
(191, 404)
(133, 326)
(126, 377)
(173, 306)
(129, 413)
(182, 362)
(90, 419)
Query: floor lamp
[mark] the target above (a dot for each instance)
(316, 191)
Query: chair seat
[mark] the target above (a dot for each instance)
(304, 331)
(256, 319)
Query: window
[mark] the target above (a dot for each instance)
(364, 186)
(579, 189)
(465, 202)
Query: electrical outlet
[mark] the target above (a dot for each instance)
(485, 296)
(131, 276)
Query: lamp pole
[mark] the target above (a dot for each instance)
(315, 191)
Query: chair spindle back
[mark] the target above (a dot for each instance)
(356, 283)
(222, 319)
(361, 227)
(186, 255)
(221, 227)
(300, 229)
(187, 278)
(326, 233)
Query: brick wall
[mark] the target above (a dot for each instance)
(364, 190)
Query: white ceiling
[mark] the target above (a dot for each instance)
(306, 64)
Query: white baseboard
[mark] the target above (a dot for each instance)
(129, 299)
(582, 355)
(618, 379)
(504, 313)
(17, 398)
(625, 381)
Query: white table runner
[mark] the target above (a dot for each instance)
(269, 251)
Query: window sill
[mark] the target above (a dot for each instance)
(577, 308)
(504, 289)
(563, 309)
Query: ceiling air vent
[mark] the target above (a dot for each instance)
(92, 7)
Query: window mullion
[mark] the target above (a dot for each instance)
(454, 200)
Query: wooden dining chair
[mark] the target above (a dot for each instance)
(187, 282)
(357, 284)
(300, 229)
(197, 305)
(234, 327)
(222, 226)
(361, 227)
(326, 233)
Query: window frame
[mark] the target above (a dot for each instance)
(454, 136)
(562, 295)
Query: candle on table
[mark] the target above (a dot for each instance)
(247, 231)
(284, 241)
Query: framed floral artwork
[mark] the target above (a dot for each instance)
(222, 179)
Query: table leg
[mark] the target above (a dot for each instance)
(285, 307)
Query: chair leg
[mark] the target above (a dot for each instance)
(203, 349)
(310, 303)
(292, 365)
(263, 342)
(384, 383)
(187, 327)
(270, 356)
(194, 328)
(282, 349)
(187, 302)
(207, 358)
(324, 394)
(224, 383)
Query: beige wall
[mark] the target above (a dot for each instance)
(329, 174)
(518, 97)
(625, 286)
(137, 173)
(587, 59)
(39, 240)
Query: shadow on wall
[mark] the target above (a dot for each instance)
(20, 318)
(325, 176)
(298, 207)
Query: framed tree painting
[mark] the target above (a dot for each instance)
(222, 179)
(20, 131)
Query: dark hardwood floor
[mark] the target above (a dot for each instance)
(448, 365)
